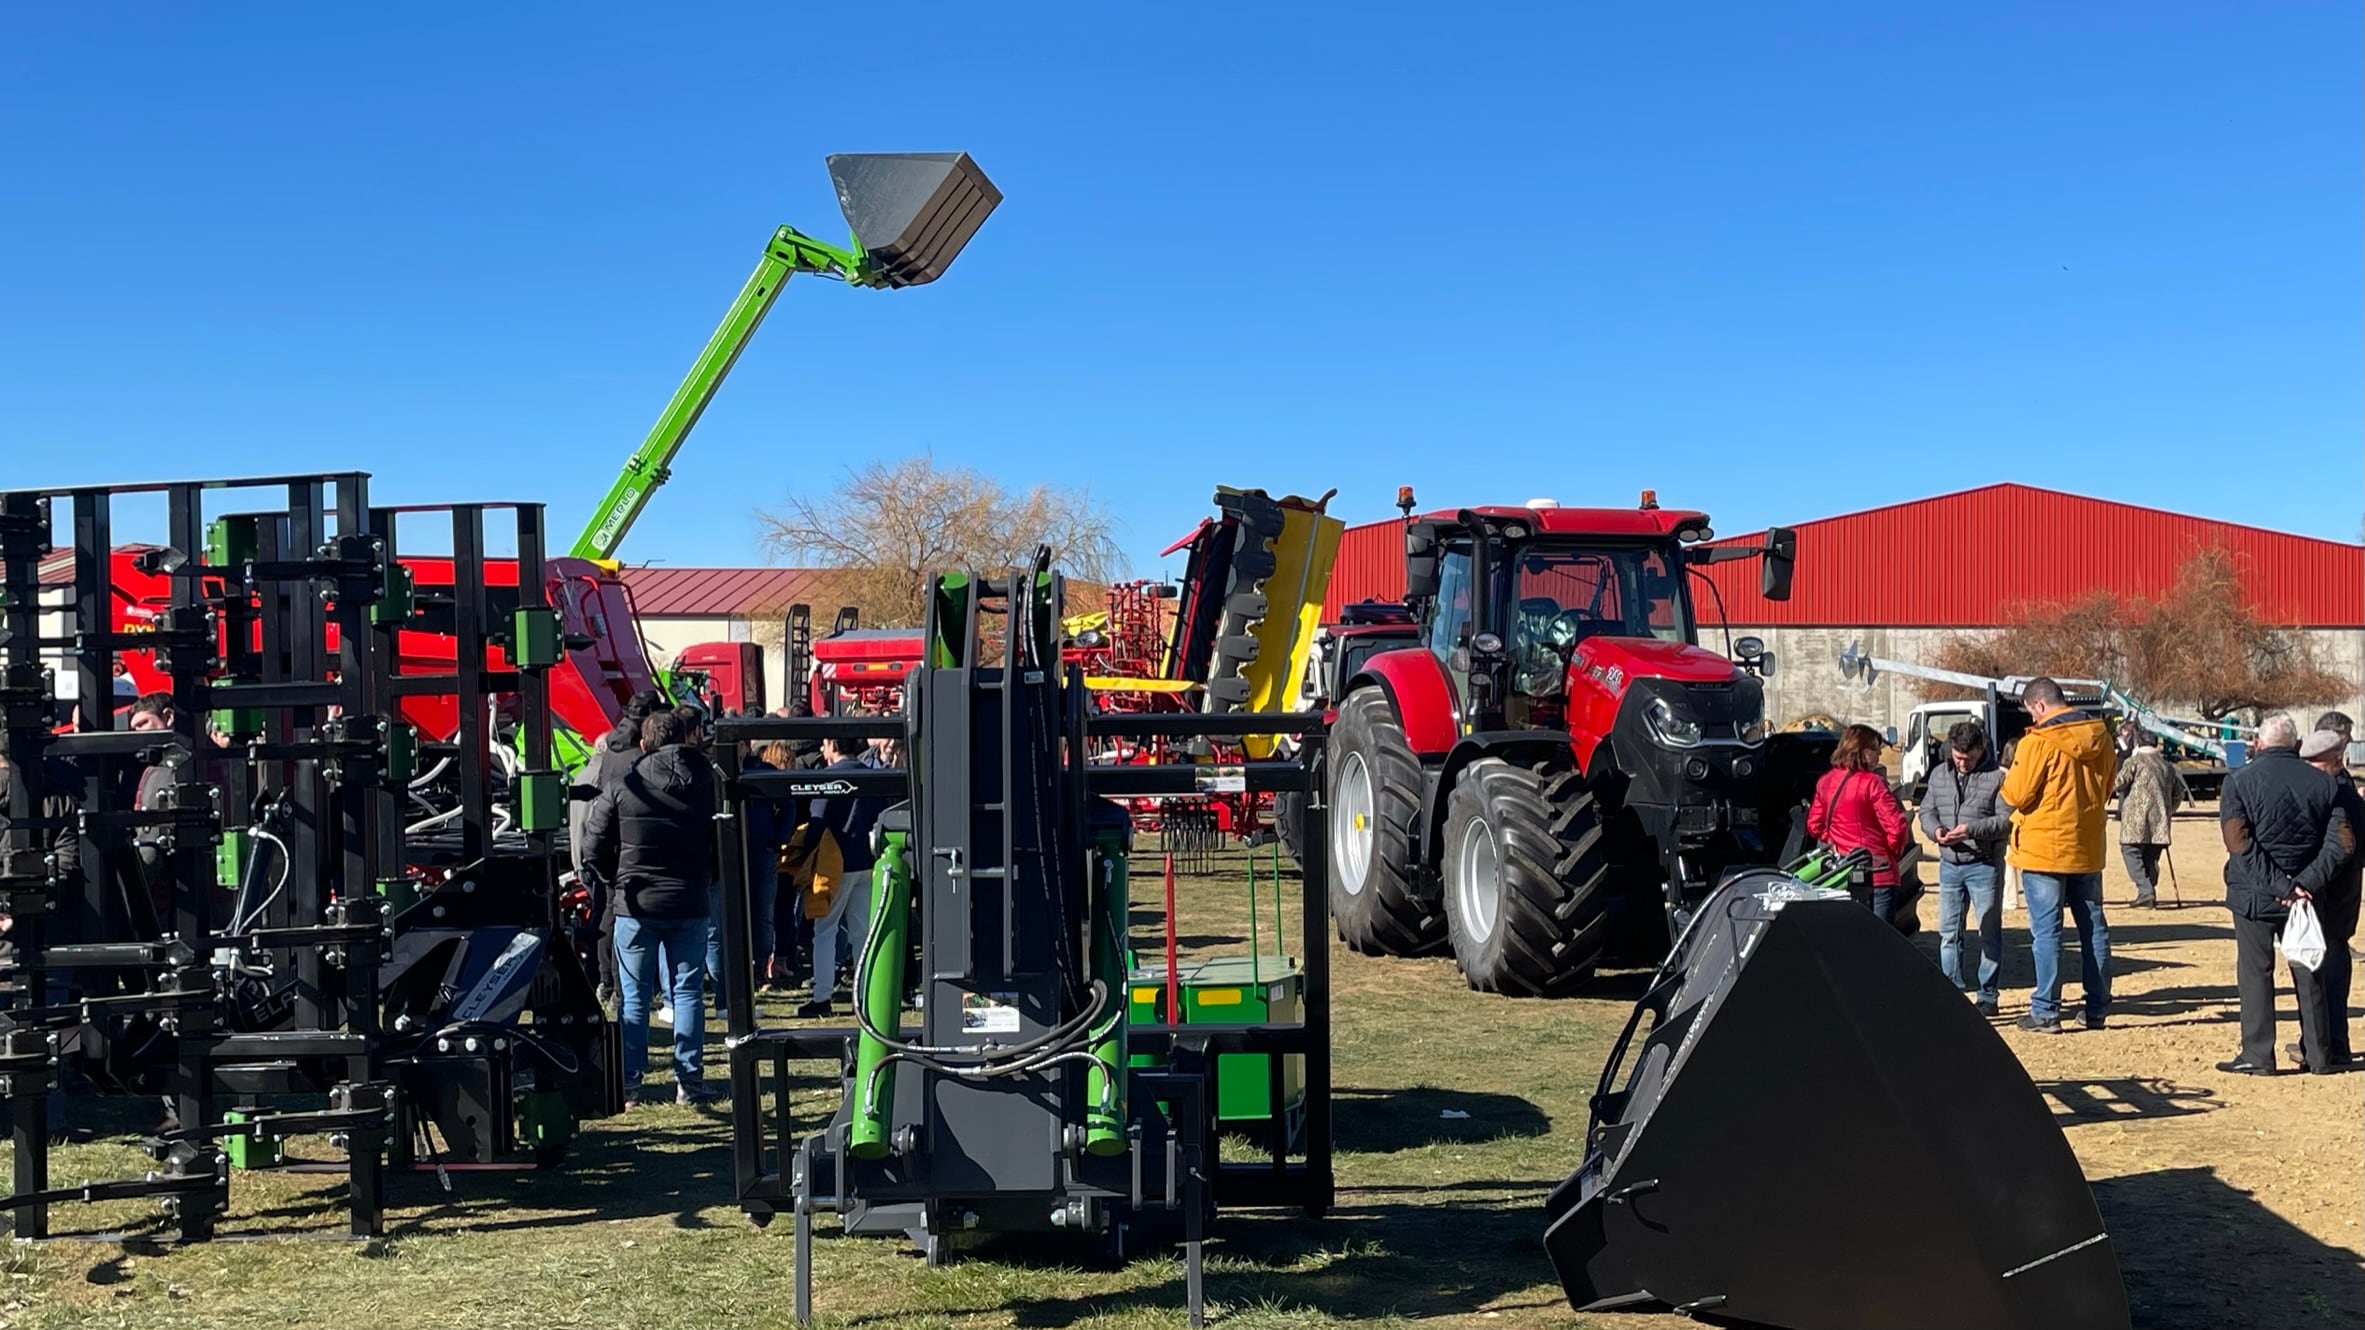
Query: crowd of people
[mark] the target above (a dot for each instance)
(642, 836)
(2291, 819)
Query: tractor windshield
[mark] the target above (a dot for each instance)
(1560, 595)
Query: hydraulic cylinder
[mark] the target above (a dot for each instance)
(879, 984)
(1104, 1115)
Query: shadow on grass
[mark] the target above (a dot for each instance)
(1386, 1121)
(1365, 1260)
(2209, 1255)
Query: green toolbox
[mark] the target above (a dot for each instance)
(1235, 990)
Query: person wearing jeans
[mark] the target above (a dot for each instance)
(642, 970)
(1961, 814)
(652, 836)
(2059, 790)
(2081, 893)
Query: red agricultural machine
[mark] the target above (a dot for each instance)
(601, 665)
(1232, 634)
(1557, 760)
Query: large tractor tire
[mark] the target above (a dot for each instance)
(1375, 796)
(1525, 879)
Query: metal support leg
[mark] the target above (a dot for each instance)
(804, 1260)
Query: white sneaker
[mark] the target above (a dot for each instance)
(662, 1016)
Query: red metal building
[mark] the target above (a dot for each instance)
(1965, 560)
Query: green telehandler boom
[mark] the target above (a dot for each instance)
(910, 214)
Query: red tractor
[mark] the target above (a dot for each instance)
(1556, 760)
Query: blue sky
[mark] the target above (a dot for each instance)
(1776, 261)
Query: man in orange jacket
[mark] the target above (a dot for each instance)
(2059, 790)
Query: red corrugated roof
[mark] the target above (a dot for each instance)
(1967, 559)
(725, 592)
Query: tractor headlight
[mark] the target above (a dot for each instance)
(1753, 732)
(1669, 727)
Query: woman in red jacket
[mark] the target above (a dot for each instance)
(1855, 810)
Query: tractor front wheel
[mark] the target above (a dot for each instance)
(1375, 792)
(1524, 878)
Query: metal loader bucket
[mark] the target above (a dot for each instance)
(1819, 1133)
(911, 211)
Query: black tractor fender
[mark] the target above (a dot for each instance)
(1510, 745)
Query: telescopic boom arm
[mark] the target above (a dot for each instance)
(790, 252)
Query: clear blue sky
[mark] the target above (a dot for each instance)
(1776, 261)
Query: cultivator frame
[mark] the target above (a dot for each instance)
(281, 636)
(1140, 1153)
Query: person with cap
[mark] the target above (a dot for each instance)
(2336, 907)
(2286, 839)
(2148, 791)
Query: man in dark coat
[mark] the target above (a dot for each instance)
(651, 839)
(613, 755)
(2286, 839)
(2327, 751)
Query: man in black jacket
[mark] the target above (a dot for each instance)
(651, 838)
(613, 756)
(2286, 839)
(2327, 751)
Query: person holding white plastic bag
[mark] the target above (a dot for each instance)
(2286, 840)
(2336, 906)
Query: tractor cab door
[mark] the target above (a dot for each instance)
(1450, 623)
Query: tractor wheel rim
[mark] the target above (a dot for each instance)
(1351, 829)
(1478, 879)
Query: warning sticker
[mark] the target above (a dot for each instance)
(989, 1013)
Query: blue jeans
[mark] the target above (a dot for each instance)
(1967, 892)
(763, 890)
(2082, 893)
(684, 940)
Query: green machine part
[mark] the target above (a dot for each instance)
(1104, 1114)
(541, 792)
(544, 1122)
(880, 976)
(789, 252)
(1235, 990)
(252, 1151)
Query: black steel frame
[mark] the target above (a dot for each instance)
(766, 1153)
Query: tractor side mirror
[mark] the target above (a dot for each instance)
(1420, 563)
(1781, 554)
(1765, 665)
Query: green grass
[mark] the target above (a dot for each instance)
(1437, 1218)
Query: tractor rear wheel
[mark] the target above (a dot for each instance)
(1525, 878)
(1375, 798)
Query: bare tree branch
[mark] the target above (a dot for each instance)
(2197, 645)
(889, 526)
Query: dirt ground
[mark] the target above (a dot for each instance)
(2231, 1201)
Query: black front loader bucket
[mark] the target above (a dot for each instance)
(911, 211)
(1821, 1134)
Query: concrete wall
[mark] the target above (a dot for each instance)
(1807, 682)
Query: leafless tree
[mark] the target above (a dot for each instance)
(2199, 644)
(890, 526)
